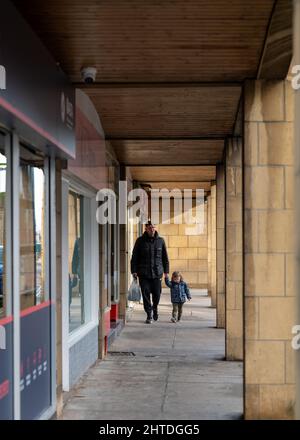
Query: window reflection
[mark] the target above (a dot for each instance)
(76, 281)
(32, 229)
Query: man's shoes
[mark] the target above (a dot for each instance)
(148, 321)
(173, 319)
(155, 316)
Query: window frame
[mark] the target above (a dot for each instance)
(91, 264)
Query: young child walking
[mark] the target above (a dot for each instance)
(179, 294)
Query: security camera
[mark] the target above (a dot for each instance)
(89, 74)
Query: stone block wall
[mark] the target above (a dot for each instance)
(269, 250)
(187, 250)
(220, 243)
(213, 245)
(234, 250)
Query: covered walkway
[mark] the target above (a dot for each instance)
(163, 371)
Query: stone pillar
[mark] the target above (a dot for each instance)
(209, 245)
(269, 236)
(220, 246)
(213, 266)
(234, 250)
(296, 184)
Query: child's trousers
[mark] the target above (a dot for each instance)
(177, 311)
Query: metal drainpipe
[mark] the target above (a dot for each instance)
(297, 185)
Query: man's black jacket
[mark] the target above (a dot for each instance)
(149, 257)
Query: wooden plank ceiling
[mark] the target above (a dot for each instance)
(170, 72)
(165, 174)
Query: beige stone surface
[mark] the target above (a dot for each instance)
(289, 187)
(173, 253)
(239, 288)
(221, 310)
(251, 143)
(178, 241)
(233, 211)
(234, 349)
(203, 278)
(264, 101)
(203, 253)
(290, 363)
(221, 285)
(181, 265)
(276, 318)
(192, 277)
(221, 240)
(231, 244)
(277, 402)
(289, 102)
(231, 181)
(230, 296)
(188, 253)
(264, 274)
(251, 318)
(252, 409)
(275, 231)
(290, 265)
(235, 267)
(197, 265)
(265, 362)
(220, 261)
(264, 187)
(276, 144)
(235, 324)
(165, 229)
(269, 259)
(251, 231)
(198, 241)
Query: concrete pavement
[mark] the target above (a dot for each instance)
(163, 371)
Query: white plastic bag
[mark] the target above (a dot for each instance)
(134, 292)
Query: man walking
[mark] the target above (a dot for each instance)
(150, 262)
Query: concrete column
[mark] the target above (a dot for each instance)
(234, 250)
(209, 245)
(297, 185)
(269, 250)
(220, 245)
(213, 266)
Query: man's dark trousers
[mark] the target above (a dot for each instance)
(149, 286)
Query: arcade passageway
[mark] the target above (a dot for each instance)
(164, 371)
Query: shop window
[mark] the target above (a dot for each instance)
(35, 328)
(76, 261)
(32, 229)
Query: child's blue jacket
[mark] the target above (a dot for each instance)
(179, 291)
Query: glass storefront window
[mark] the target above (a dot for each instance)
(32, 229)
(35, 328)
(77, 315)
